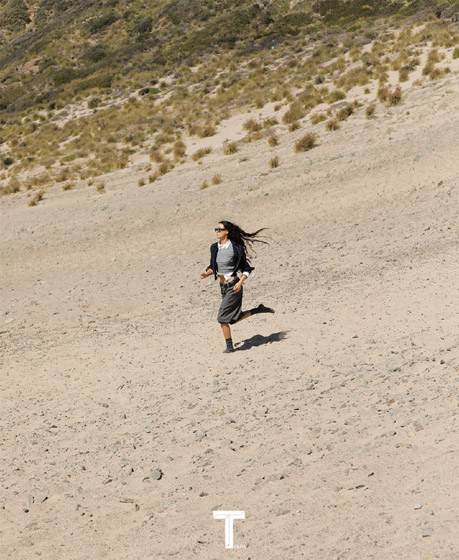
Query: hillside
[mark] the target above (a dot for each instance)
(84, 86)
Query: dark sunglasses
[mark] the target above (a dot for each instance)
(219, 229)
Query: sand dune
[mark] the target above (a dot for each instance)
(335, 424)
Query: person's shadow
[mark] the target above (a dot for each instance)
(258, 340)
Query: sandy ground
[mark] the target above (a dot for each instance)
(334, 425)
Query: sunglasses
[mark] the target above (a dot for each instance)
(219, 229)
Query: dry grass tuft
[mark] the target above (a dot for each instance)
(318, 117)
(394, 97)
(179, 149)
(251, 125)
(307, 142)
(345, 112)
(294, 126)
(370, 111)
(332, 124)
(36, 199)
(274, 162)
(207, 130)
(230, 148)
(199, 154)
(273, 140)
(293, 114)
(204, 185)
(217, 179)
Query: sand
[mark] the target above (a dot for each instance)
(334, 426)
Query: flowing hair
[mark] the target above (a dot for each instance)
(241, 237)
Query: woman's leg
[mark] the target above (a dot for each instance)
(227, 334)
(226, 330)
(246, 314)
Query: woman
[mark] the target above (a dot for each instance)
(227, 256)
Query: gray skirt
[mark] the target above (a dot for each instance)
(231, 305)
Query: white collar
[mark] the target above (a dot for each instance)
(225, 246)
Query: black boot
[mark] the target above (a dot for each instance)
(229, 346)
(261, 309)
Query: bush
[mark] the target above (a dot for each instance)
(307, 142)
(99, 23)
(204, 185)
(36, 199)
(165, 167)
(230, 148)
(156, 155)
(394, 97)
(207, 130)
(94, 102)
(199, 154)
(318, 117)
(294, 126)
(332, 124)
(404, 74)
(179, 149)
(345, 112)
(294, 113)
(252, 125)
(141, 182)
(336, 95)
(383, 94)
(273, 140)
(217, 179)
(274, 162)
(370, 111)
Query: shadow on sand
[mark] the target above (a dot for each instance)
(258, 340)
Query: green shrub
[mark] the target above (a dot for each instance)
(97, 24)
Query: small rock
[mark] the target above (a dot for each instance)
(41, 499)
(427, 532)
(418, 506)
(157, 474)
(418, 426)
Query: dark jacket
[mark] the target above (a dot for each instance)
(240, 261)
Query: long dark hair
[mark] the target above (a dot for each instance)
(241, 237)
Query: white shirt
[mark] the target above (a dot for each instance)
(225, 246)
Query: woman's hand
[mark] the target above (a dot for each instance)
(205, 274)
(237, 286)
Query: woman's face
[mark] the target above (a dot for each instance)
(220, 231)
